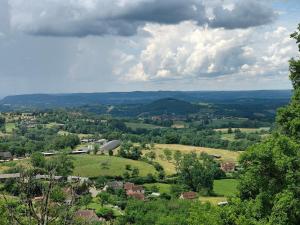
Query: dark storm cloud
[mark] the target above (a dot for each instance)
(123, 17)
(246, 13)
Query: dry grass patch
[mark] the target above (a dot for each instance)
(169, 167)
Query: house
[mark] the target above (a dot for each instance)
(116, 185)
(48, 153)
(228, 167)
(80, 151)
(139, 196)
(222, 203)
(112, 145)
(77, 179)
(134, 191)
(101, 141)
(128, 186)
(188, 195)
(10, 176)
(5, 156)
(132, 188)
(87, 215)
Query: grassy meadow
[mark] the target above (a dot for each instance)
(99, 165)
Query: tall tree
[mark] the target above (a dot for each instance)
(270, 178)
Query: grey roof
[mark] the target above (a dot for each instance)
(5, 155)
(110, 145)
(11, 175)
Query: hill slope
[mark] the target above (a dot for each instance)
(79, 99)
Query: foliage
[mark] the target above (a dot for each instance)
(197, 172)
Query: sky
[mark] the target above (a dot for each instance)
(55, 46)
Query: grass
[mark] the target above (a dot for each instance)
(212, 200)
(98, 165)
(179, 125)
(225, 187)
(246, 130)
(95, 205)
(163, 188)
(226, 155)
(135, 126)
(9, 127)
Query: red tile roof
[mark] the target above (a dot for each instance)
(188, 195)
(87, 214)
(139, 196)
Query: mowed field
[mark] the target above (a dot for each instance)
(226, 155)
(99, 165)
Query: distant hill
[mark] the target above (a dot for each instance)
(118, 98)
(169, 106)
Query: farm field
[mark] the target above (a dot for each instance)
(98, 165)
(135, 126)
(9, 127)
(246, 130)
(226, 155)
(225, 187)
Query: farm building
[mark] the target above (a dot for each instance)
(228, 167)
(188, 195)
(139, 196)
(110, 146)
(87, 215)
(134, 191)
(101, 141)
(115, 185)
(5, 156)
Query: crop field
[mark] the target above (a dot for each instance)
(98, 165)
(226, 155)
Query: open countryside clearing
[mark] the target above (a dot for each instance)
(226, 155)
(100, 165)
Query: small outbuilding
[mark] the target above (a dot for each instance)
(188, 195)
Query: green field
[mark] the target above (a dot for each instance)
(98, 165)
(222, 188)
(163, 188)
(225, 187)
(9, 127)
(135, 126)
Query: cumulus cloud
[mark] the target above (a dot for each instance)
(187, 51)
(124, 17)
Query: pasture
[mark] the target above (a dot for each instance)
(100, 165)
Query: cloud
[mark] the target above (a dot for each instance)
(243, 14)
(187, 52)
(81, 18)
(99, 17)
